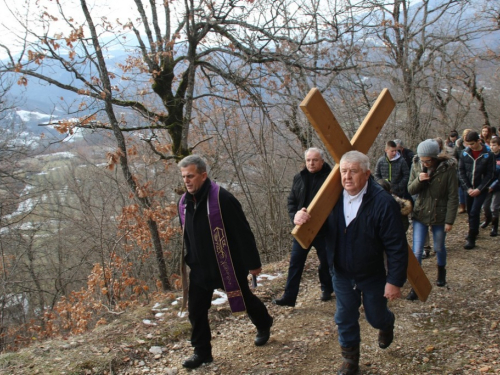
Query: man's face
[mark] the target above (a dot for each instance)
(391, 152)
(192, 179)
(494, 147)
(314, 162)
(474, 145)
(353, 177)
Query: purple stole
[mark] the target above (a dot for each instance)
(221, 247)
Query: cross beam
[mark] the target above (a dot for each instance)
(337, 144)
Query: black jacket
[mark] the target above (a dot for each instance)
(478, 173)
(298, 196)
(377, 229)
(200, 256)
(408, 155)
(396, 172)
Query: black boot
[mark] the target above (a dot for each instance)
(263, 335)
(412, 296)
(196, 360)
(494, 227)
(471, 241)
(350, 366)
(486, 222)
(441, 281)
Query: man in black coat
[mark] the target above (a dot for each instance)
(229, 266)
(305, 186)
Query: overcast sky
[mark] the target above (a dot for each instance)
(19, 10)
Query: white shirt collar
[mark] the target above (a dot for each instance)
(352, 204)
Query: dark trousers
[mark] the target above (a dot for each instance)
(350, 293)
(199, 302)
(474, 205)
(296, 268)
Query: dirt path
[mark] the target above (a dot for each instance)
(455, 332)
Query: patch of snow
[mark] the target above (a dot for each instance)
(264, 276)
(62, 154)
(222, 298)
(27, 115)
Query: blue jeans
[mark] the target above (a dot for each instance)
(420, 231)
(461, 195)
(491, 205)
(474, 205)
(297, 263)
(348, 293)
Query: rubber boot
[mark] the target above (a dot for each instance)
(441, 281)
(486, 222)
(471, 241)
(494, 227)
(461, 208)
(350, 366)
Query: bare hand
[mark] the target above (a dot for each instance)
(256, 272)
(301, 217)
(423, 177)
(448, 227)
(392, 292)
(474, 192)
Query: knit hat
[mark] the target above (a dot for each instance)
(428, 148)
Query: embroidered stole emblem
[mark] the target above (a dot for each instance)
(221, 248)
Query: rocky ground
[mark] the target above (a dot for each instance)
(455, 332)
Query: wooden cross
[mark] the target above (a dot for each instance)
(337, 144)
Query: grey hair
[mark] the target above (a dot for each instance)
(195, 160)
(315, 149)
(398, 142)
(357, 157)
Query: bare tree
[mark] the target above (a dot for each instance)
(412, 41)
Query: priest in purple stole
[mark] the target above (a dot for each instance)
(220, 252)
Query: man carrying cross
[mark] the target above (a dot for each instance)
(364, 226)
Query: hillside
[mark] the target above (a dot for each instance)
(455, 332)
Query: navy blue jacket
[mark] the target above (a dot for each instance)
(478, 173)
(376, 230)
(495, 185)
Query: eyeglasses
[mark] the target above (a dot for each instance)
(426, 162)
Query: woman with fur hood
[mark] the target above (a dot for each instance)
(433, 180)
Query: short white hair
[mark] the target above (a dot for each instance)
(315, 149)
(357, 157)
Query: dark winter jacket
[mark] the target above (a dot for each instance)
(408, 155)
(437, 200)
(200, 256)
(495, 185)
(459, 147)
(478, 173)
(396, 172)
(299, 195)
(376, 230)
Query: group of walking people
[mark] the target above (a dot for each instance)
(362, 247)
